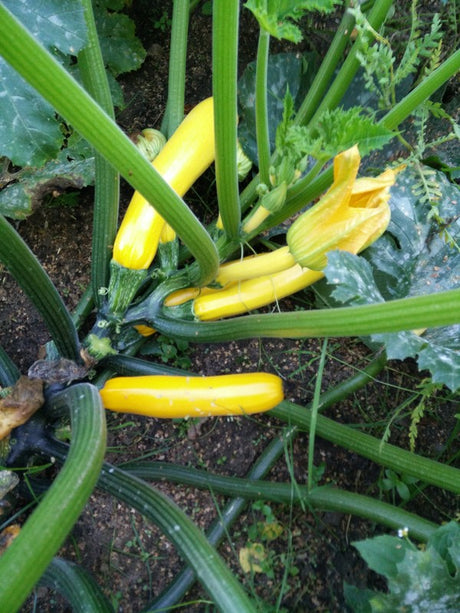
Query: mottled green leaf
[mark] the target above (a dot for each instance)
(417, 255)
(29, 134)
(418, 580)
(57, 24)
(72, 169)
(285, 71)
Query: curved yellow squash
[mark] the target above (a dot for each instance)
(186, 155)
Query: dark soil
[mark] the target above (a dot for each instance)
(131, 558)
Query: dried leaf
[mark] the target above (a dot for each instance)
(8, 535)
(252, 558)
(25, 398)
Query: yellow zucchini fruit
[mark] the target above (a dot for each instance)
(166, 396)
(244, 296)
(254, 266)
(185, 156)
(350, 216)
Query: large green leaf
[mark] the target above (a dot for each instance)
(29, 134)
(417, 255)
(57, 24)
(73, 168)
(418, 579)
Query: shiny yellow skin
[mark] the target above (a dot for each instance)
(257, 219)
(251, 294)
(185, 294)
(186, 155)
(145, 330)
(254, 266)
(350, 216)
(170, 397)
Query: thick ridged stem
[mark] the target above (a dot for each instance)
(326, 498)
(32, 278)
(326, 70)
(9, 372)
(427, 311)
(214, 575)
(177, 65)
(224, 87)
(422, 92)
(106, 183)
(402, 461)
(261, 106)
(23, 563)
(350, 66)
(77, 586)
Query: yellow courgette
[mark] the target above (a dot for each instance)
(167, 396)
(185, 156)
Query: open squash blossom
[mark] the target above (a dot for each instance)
(350, 216)
(166, 396)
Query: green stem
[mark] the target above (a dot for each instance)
(32, 278)
(400, 460)
(84, 307)
(177, 64)
(326, 70)
(262, 128)
(22, 564)
(51, 80)
(224, 87)
(314, 416)
(351, 64)
(326, 498)
(131, 366)
(9, 372)
(106, 185)
(214, 575)
(427, 311)
(77, 586)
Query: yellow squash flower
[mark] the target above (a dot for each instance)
(350, 216)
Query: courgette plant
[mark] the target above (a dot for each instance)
(165, 263)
